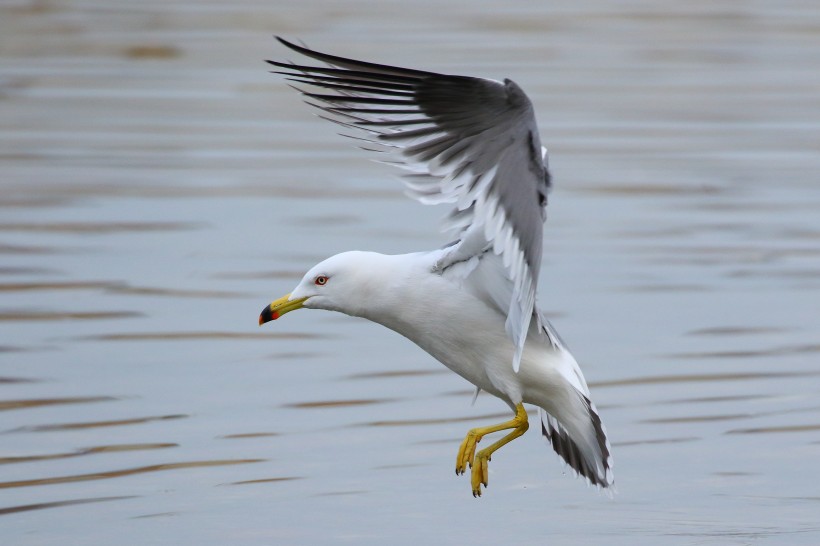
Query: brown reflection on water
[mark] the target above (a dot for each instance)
(97, 227)
(439, 441)
(6, 248)
(99, 424)
(650, 190)
(787, 274)
(58, 504)
(461, 393)
(667, 288)
(31, 315)
(243, 435)
(68, 285)
(342, 493)
(171, 292)
(188, 336)
(269, 189)
(774, 351)
(267, 480)
(775, 429)
(726, 255)
(338, 403)
(697, 378)
(725, 398)
(699, 418)
(329, 220)
(8, 270)
(736, 331)
(398, 466)
(13, 349)
(116, 287)
(396, 373)
(295, 355)
(142, 52)
(255, 275)
(86, 451)
(653, 441)
(728, 416)
(39, 402)
(157, 515)
(125, 472)
(15, 380)
(30, 201)
(438, 421)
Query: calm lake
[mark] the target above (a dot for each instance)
(158, 187)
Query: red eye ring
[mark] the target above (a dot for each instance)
(321, 280)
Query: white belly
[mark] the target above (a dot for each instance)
(460, 331)
(468, 336)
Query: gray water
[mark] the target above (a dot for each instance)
(158, 187)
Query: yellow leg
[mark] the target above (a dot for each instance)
(466, 453)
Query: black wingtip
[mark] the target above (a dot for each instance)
(353, 64)
(290, 45)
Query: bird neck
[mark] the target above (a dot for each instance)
(394, 294)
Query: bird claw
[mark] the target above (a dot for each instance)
(466, 453)
(480, 474)
(479, 462)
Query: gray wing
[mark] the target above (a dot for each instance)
(469, 142)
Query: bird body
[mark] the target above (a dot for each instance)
(405, 294)
(472, 143)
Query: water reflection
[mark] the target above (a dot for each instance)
(40, 402)
(336, 403)
(123, 472)
(58, 504)
(95, 228)
(31, 315)
(213, 336)
(700, 378)
(266, 480)
(97, 424)
(437, 421)
(242, 435)
(85, 451)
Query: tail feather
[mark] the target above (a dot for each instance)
(587, 454)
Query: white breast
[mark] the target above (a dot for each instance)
(452, 325)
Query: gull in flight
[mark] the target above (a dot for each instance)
(471, 143)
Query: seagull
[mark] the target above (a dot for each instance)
(472, 143)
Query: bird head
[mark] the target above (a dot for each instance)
(340, 283)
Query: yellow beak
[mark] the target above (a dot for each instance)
(280, 307)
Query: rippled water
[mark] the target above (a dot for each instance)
(158, 187)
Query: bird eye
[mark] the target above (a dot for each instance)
(321, 280)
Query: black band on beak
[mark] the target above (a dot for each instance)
(266, 315)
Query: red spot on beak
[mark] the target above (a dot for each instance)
(267, 315)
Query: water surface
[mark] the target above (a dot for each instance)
(158, 187)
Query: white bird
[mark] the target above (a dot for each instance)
(472, 143)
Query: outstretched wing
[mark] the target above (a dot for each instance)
(469, 142)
